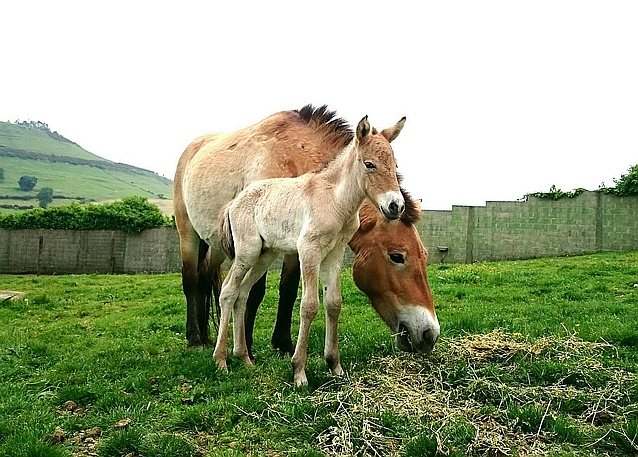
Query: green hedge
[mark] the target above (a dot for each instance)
(130, 215)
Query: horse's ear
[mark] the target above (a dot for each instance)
(363, 128)
(392, 132)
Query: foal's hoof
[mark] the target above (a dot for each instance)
(337, 371)
(221, 364)
(301, 380)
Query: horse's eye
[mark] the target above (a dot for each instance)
(370, 166)
(397, 257)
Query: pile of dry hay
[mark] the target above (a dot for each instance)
(424, 392)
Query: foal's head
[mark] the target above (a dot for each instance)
(376, 157)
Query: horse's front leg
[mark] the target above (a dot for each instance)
(288, 288)
(308, 311)
(255, 297)
(330, 277)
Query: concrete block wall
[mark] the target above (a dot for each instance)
(591, 222)
(98, 251)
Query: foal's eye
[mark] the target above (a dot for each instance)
(370, 166)
(397, 257)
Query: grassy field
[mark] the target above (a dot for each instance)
(536, 357)
(70, 180)
(18, 137)
(77, 180)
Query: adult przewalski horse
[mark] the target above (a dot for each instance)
(390, 260)
(314, 215)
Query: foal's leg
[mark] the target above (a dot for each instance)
(258, 270)
(227, 299)
(330, 277)
(308, 310)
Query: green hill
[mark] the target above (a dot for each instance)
(74, 174)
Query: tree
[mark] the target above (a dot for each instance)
(44, 197)
(27, 182)
(1, 174)
(627, 184)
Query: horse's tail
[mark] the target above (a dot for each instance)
(226, 234)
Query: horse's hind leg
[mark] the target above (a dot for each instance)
(189, 249)
(204, 294)
(288, 288)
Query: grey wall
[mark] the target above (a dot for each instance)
(100, 251)
(591, 222)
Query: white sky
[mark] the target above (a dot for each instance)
(502, 98)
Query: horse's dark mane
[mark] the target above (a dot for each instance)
(412, 212)
(337, 129)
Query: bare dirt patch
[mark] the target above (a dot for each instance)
(10, 295)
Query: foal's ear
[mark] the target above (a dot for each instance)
(363, 128)
(392, 132)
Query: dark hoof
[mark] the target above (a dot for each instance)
(284, 347)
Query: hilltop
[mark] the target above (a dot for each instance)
(30, 148)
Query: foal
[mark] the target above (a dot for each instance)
(314, 215)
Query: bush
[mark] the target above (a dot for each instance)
(27, 183)
(627, 184)
(130, 215)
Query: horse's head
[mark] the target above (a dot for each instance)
(390, 268)
(376, 157)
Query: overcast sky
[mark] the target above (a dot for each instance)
(502, 98)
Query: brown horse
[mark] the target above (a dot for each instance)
(313, 215)
(214, 168)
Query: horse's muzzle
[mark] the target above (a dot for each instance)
(393, 211)
(391, 205)
(421, 342)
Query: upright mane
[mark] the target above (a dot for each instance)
(412, 212)
(336, 130)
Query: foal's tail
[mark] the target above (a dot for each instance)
(226, 234)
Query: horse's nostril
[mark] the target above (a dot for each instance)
(430, 337)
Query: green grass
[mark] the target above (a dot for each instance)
(69, 180)
(79, 181)
(535, 356)
(18, 137)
